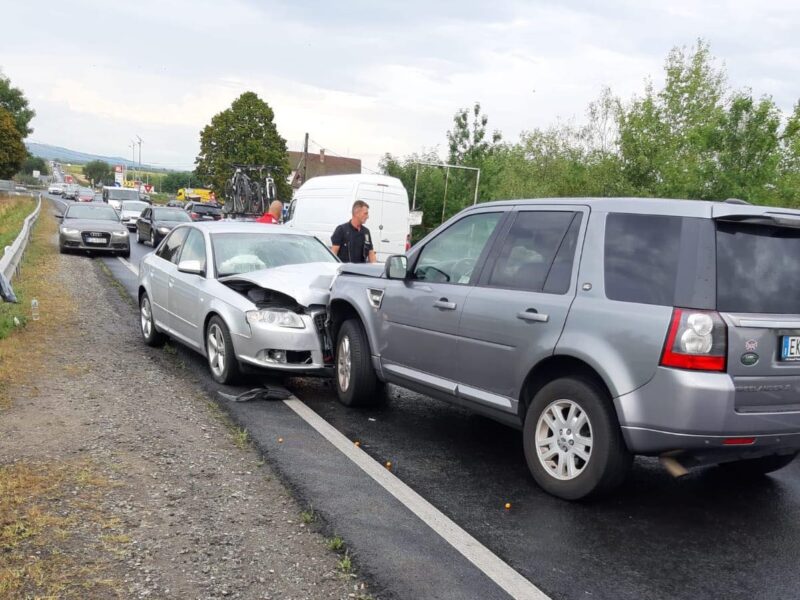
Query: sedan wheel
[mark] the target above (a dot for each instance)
(139, 239)
(151, 335)
(152, 238)
(344, 364)
(219, 348)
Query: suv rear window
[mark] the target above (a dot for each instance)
(660, 259)
(758, 269)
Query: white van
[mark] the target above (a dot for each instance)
(322, 203)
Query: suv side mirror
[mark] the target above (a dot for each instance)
(396, 267)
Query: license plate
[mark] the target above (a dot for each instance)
(95, 240)
(790, 347)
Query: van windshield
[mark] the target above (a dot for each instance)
(758, 270)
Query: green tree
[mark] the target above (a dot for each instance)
(34, 163)
(245, 133)
(12, 150)
(176, 180)
(13, 100)
(468, 142)
(667, 138)
(99, 171)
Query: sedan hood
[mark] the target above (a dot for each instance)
(93, 225)
(308, 284)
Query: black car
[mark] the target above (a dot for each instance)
(201, 211)
(156, 222)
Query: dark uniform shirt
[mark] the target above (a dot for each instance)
(354, 244)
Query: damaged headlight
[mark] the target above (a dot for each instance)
(280, 317)
(163, 230)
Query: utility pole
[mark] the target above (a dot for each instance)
(140, 159)
(305, 158)
(133, 158)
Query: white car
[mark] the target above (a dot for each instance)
(129, 212)
(240, 293)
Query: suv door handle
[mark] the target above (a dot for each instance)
(443, 303)
(533, 315)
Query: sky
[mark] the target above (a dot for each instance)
(363, 78)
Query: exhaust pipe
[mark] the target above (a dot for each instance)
(672, 465)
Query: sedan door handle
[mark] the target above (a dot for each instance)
(443, 303)
(533, 315)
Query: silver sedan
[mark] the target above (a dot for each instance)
(240, 293)
(93, 228)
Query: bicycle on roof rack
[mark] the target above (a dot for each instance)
(247, 196)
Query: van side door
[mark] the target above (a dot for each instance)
(514, 316)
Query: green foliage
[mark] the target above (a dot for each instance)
(12, 150)
(34, 163)
(243, 134)
(693, 138)
(13, 100)
(99, 171)
(172, 182)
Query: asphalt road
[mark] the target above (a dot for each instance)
(702, 536)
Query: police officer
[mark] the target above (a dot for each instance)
(351, 241)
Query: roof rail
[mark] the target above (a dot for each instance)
(735, 201)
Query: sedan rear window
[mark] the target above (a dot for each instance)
(166, 214)
(758, 269)
(202, 209)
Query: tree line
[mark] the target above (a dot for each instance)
(695, 138)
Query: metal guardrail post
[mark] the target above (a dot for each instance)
(12, 255)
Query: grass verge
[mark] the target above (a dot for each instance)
(44, 512)
(13, 211)
(21, 346)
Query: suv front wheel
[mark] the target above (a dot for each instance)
(573, 443)
(356, 381)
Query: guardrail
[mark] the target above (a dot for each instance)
(12, 256)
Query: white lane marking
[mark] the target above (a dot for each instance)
(131, 267)
(478, 554)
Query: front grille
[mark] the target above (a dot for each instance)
(106, 237)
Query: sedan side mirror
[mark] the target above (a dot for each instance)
(59, 217)
(193, 267)
(396, 267)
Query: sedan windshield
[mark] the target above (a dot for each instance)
(236, 253)
(170, 214)
(134, 205)
(97, 213)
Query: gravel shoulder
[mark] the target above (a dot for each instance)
(193, 509)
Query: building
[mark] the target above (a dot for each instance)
(320, 164)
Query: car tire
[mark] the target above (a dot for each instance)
(355, 378)
(585, 457)
(153, 241)
(222, 360)
(62, 249)
(126, 254)
(139, 239)
(756, 467)
(152, 336)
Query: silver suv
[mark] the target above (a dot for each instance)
(602, 328)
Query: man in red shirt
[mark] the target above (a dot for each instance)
(273, 215)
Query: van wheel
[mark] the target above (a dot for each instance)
(572, 440)
(222, 360)
(755, 467)
(356, 381)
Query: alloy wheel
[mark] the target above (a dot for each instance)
(344, 363)
(216, 350)
(147, 317)
(564, 439)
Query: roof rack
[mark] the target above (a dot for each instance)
(735, 201)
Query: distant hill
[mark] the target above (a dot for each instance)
(66, 155)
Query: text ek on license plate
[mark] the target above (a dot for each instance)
(790, 347)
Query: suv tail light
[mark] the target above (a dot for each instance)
(697, 340)
(194, 216)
